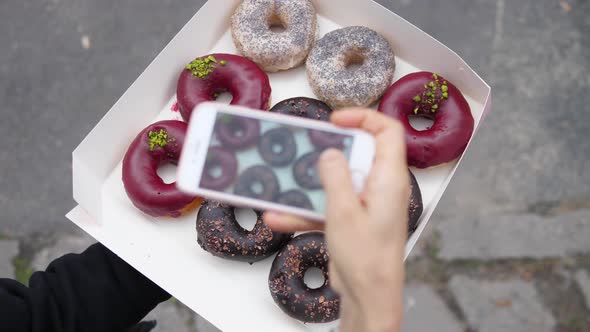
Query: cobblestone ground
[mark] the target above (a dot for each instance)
(508, 248)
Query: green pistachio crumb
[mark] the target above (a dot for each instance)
(417, 99)
(435, 106)
(431, 84)
(223, 62)
(159, 138)
(445, 95)
(416, 110)
(444, 88)
(435, 76)
(434, 88)
(428, 94)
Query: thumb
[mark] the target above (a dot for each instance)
(337, 182)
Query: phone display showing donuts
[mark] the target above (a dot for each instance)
(269, 161)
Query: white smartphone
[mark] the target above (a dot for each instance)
(266, 161)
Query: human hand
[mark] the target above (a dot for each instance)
(366, 234)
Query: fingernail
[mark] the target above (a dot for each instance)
(330, 154)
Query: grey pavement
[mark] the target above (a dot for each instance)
(8, 250)
(69, 244)
(515, 236)
(583, 280)
(425, 311)
(492, 306)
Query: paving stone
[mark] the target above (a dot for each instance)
(202, 325)
(8, 250)
(69, 244)
(491, 306)
(170, 318)
(583, 281)
(425, 311)
(515, 236)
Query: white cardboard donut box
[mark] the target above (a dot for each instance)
(233, 296)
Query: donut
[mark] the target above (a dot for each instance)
(351, 66)
(205, 78)
(415, 207)
(311, 109)
(263, 177)
(305, 171)
(155, 145)
(431, 96)
(304, 107)
(251, 27)
(288, 288)
(238, 132)
(223, 159)
(295, 198)
(219, 233)
(277, 147)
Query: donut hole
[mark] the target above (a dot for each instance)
(257, 187)
(215, 171)
(354, 60)
(223, 97)
(276, 148)
(420, 122)
(314, 278)
(276, 25)
(167, 172)
(246, 218)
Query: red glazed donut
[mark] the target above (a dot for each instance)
(205, 78)
(430, 95)
(159, 143)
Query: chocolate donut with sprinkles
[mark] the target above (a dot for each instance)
(415, 207)
(288, 289)
(219, 233)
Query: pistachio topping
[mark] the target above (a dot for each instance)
(434, 93)
(159, 138)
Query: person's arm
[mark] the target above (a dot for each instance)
(366, 234)
(92, 291)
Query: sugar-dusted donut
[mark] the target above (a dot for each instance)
(275, 50)
(351, 66)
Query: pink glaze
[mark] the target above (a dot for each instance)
(453, 123)
(247, 83)
(145, 188)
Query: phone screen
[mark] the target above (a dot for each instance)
(269, 161)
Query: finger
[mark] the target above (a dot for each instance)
(388, 177)
(286, 223)
(341, 199)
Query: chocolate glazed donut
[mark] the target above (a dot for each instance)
(295, 198)
(285, 140)
(305, 171)
(312, 109)
(238, 132)
(415, 208)
(219, 233)
(260, 175)
(228, 163)
(288, 289)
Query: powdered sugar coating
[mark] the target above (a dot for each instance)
(340, 86)
(274, 51)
